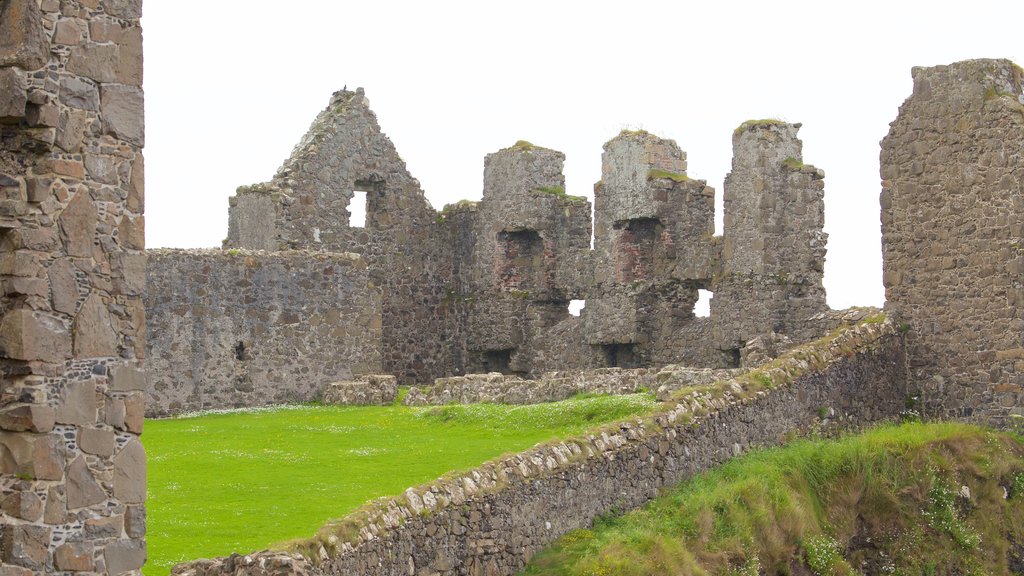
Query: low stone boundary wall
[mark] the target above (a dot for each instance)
(554, 386)
(366, 390)
(492, 520)
(240, 328)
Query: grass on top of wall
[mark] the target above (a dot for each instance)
(909, 499)
(243, 481)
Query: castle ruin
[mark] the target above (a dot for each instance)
(300, 297)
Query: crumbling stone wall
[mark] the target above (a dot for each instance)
(773, 244)
(493, 519)
(305, 206)
(953, 237)
(485, 286)
(238, 328)
(73, 478)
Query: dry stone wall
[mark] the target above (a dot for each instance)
(953, 237)
(237, 328)
(72, 272)
(493, 519)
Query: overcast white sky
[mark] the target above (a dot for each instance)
(231, 87)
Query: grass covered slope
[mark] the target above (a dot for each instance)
(909, 499)
(240, 482)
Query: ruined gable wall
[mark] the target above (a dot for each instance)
(73, 478)
(952, 234)
(235, 328)
(305, 206)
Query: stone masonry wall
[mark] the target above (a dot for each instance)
(306, 206)
(953, 237)
(773, 245)
(492, 520)
(72, 469)
(237, 328)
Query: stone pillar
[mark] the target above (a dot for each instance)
(653, 250)
(953, 237)
(72, 270)
(773, 245)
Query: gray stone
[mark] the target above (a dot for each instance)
(124, 556)
(78, 404)
(126, 9)
(122, 112)
(83, 489)
(24, 545)
(71, 129)
(63, 285)
(78, 93)
(73, 557)
(27, 418)
(104, 528)
(26, 335)
(130, 473)
(94, 61)
(135, 521)
(23, 41)
(94, 334)
(96, 441)
(78, 225)
(125, 378)
(13, 94)
(23, 504)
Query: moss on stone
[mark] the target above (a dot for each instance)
(747, 125)
(559, 191)
(793, 163)
(656, 174)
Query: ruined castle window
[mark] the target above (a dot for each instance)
(635, 247)
(357, 209)
(702, 309)
(576, 306)
(520, 260)
(621, 356)
(497, 361)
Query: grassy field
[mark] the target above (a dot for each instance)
(911, 499)
(239, 482)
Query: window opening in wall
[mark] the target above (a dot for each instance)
(621, 356)
(576, 306)
(357, 210)
(520, 262)
(702, 309)
(497, 361)
(732, 357)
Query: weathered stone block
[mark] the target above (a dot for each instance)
(24, 545)
(27, 418)
(130, 473)
(23, 41)
(123, 114)
(78, 224)
(96, 441)
(71, 129)
(26, 335)
(94, 61)
(126, 9)
(94, 335)
(125, 556)
(129, 65)
(104, 528)
(23, 504)
(83, 489)
(56, 511)
(365, 390)
(63, 285)
(13, 94)
(78, 93)
(69, 31)
(74, 557)
(127, 378)
(135, 521)
(78, 404)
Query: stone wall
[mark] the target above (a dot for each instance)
(493, 519)
(306, 206)
(555, 386)
(237, 328)
(953, 237)
(72, 336)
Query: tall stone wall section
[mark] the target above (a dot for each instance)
(72, 267)
(493, 519)
(773, 243)
(306, 206)
(238, 328)
(952, 169)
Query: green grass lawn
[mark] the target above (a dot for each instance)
(240, 482)
(904, 500)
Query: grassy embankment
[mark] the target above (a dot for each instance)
(891, 501)
(240, 482)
